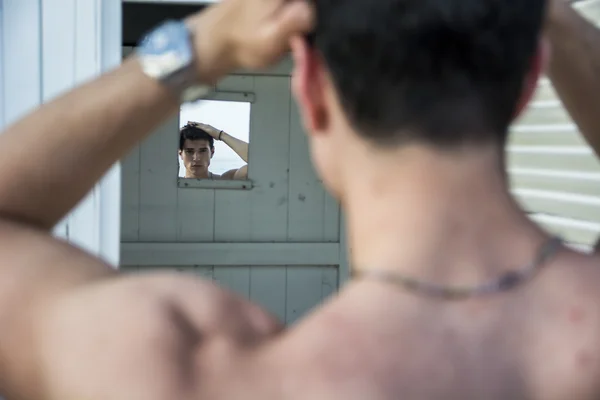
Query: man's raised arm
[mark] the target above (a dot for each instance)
(574, 67)
(74, 139)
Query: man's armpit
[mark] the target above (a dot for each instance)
(236, 174)
(241, 173)
(229, 175)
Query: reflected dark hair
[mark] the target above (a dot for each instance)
(192, 132)
(441, 72)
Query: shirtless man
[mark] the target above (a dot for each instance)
(74, 329)
(197, 148)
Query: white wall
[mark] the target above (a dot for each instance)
(48, 47)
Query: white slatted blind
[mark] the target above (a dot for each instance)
(554, 174)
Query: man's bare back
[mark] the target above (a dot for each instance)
(85, 331)
(376, 341)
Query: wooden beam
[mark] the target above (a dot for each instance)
(230, 254)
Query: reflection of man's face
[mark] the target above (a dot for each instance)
(196, 155)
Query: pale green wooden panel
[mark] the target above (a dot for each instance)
(236, 83)
(195, 215)
(158, 184)
(236, 279)
(312, 215)
(130, 196)
(288, 293)
(268, 286)
(269, 159)
(204, 272)
(307, 288)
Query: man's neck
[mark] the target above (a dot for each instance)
(192, 175)
(438, 217)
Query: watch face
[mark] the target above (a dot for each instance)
(167, 47)
(166, 54)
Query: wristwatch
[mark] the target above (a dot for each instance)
(166, 54)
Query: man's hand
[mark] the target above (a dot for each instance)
(211, 130)
(247, 34)
(145, 337)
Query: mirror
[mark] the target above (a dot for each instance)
(214, 140)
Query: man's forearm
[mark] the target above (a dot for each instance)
(239, 146)
(575, 67)
(53, 157)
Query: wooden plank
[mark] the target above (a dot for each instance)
(268, 289)
(243, 97)
(307, 287)
(345, 263)
(201, 271)
(57, 76)
(22, 62)
(283, 68)
(236, 83)
(269, 159)
(58, 45)
(232, 215)
(331, 219)
(190, 183)
(130, 196)
(130, 269)
(232, 207)
(158, 184)
(196, 215)
(306, 210)
(330, 282)
(3, 95)
(236, 279)
(229, 254)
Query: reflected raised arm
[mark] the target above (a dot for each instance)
(239, 146)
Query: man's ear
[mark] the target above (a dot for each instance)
(212, 152)
(538, 65)
(180, 152)
(308, 83)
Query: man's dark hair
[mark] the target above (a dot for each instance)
(443, 72)
(192, 132)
